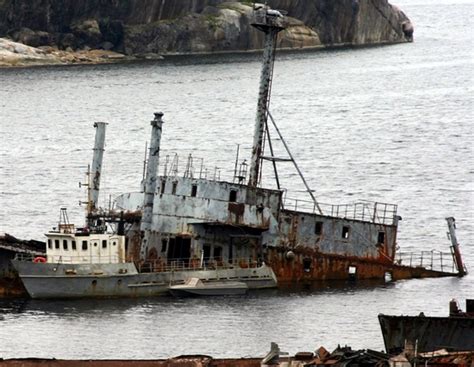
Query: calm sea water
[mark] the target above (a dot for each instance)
(391, 124)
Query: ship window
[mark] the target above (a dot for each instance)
(194, 190)
(163, 186)
(84, 245)
(73, 245)
(114, 243)
(65, 245)
(95, 244)
(233, 195)
(50, 243)
(381, 238)
(56, 244)
(104, 243)
(318, 228)
(173, 189)
(345, 232)
(164, 245)
(307, 264)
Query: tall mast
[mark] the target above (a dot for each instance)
(150, 181)
(95, 172)
(271, 23)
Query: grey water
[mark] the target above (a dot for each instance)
(391, 124)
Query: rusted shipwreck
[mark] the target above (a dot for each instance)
(193, 224)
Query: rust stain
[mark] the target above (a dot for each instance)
(336, 267)
(238, 209)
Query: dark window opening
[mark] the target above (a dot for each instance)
(50, 243)
(173, 189)
(114, 243)
(94, 283)
(218, 253)
(352, 272)
(73, 245)
(65, 245)
(84, 245)
(206, 253)
(318, 228)
(194, 190)
(126, 245)
(179, 248)
(233, 195)
(381, 238)
(95, 244)
(345, 232)
(164, 245)
(56, 244)
(163, 186)
(104, 243)
(307, 264)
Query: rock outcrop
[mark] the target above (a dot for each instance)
(151, 27)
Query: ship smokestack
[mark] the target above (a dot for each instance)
(150, 181)
(271, 23)
(96, 169)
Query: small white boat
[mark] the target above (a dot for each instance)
(196, 287)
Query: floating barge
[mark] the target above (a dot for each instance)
(195, 224)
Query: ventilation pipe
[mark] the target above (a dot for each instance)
(150, 182)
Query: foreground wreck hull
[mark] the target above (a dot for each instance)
(427, 333)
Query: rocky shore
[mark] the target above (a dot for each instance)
(93, 31)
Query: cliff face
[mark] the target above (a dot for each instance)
(184, 26)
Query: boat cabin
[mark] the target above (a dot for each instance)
(71, 246)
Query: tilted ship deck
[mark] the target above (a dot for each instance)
(192, 225)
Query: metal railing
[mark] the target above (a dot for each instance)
(81, 259)
(170, 265)
(375, 212)
(432, 260)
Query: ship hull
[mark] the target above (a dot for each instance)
(122, 280)
(427, 333)
(307, 265)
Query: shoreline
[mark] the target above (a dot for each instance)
(44, 57)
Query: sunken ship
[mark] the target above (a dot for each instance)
(189, 224)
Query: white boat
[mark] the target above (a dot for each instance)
(196, 287)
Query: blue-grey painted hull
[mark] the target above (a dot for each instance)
(45, 280)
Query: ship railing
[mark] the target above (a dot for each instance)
(375, 212)
(433, 260)
(24, 257)
(189, 264)
(78, 259)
